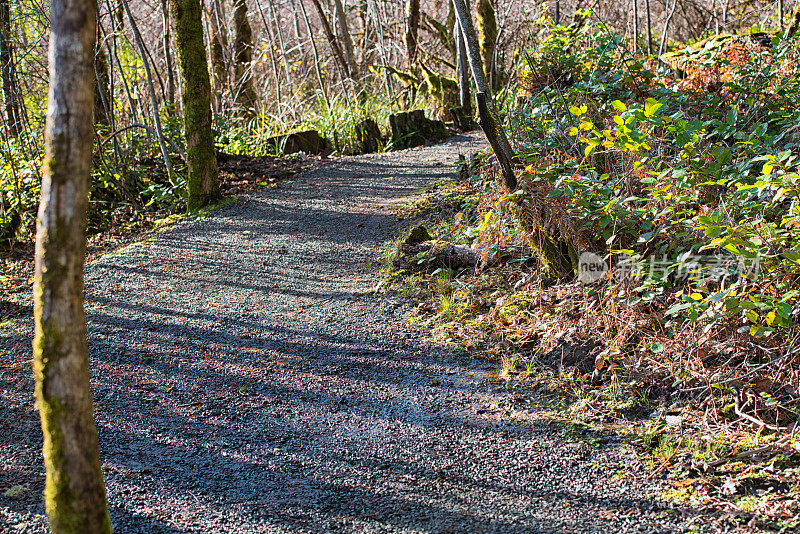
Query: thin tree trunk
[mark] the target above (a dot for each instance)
(649, 29)
(665, 31)
(557, 14)
(273, 53)
(347, 40)
(376, 20)
(315, 52)
(243, 58)
(75, 497)
(462, 71)
(167, 55)
(281, 45)
(411, 36)
(156, 115)
(8, 71)
(102, 98)
(217, 45)
(203, 174)
(635, 26)
(489, 123)
(326, 27)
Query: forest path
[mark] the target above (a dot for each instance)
(245, 383)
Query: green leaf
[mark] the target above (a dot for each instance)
(651, 107)
(619, 106)
(657, 347)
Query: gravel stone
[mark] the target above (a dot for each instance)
(244, 382)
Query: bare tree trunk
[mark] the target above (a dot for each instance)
(156, 115)
(326, 27)
(462, 71)
(243, 58)
(273, 53)
(557, 14)
(8, 72)
(649, 28)
(217, 45)
(665, 31)
(489, 123)
(167, 55)
(281, 45)
(315, 52)
(411, 36)
(203, 175)
(102, 96)
(347, 40)
(75, 497)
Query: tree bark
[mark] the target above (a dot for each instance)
(243, 58)
(489, 123)
(203, 175)
(8, 71)
(153, 101)
(102, 95)
(75, 497)
(334, 44)
(649, 28)
(315, 53)
(165, 39)
(462, 71)
(487, 36)
(411, 36)
(347, 40)
(218, 44)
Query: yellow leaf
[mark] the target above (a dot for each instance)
(573, 131)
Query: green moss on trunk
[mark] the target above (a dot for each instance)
(487, 35)
(75, 498)
(203, 175)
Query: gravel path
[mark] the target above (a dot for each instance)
(244, 383)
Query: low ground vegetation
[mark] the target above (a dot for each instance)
(683, 183)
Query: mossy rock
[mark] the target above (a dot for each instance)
(413, 128)
(418, 234)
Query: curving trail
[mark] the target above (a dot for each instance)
(244, 383)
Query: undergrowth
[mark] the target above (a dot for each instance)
(684, 192)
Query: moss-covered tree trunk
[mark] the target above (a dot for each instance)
(411, 36)
(203, 175)
(487, 35)
(243, 58)
(75, 497)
